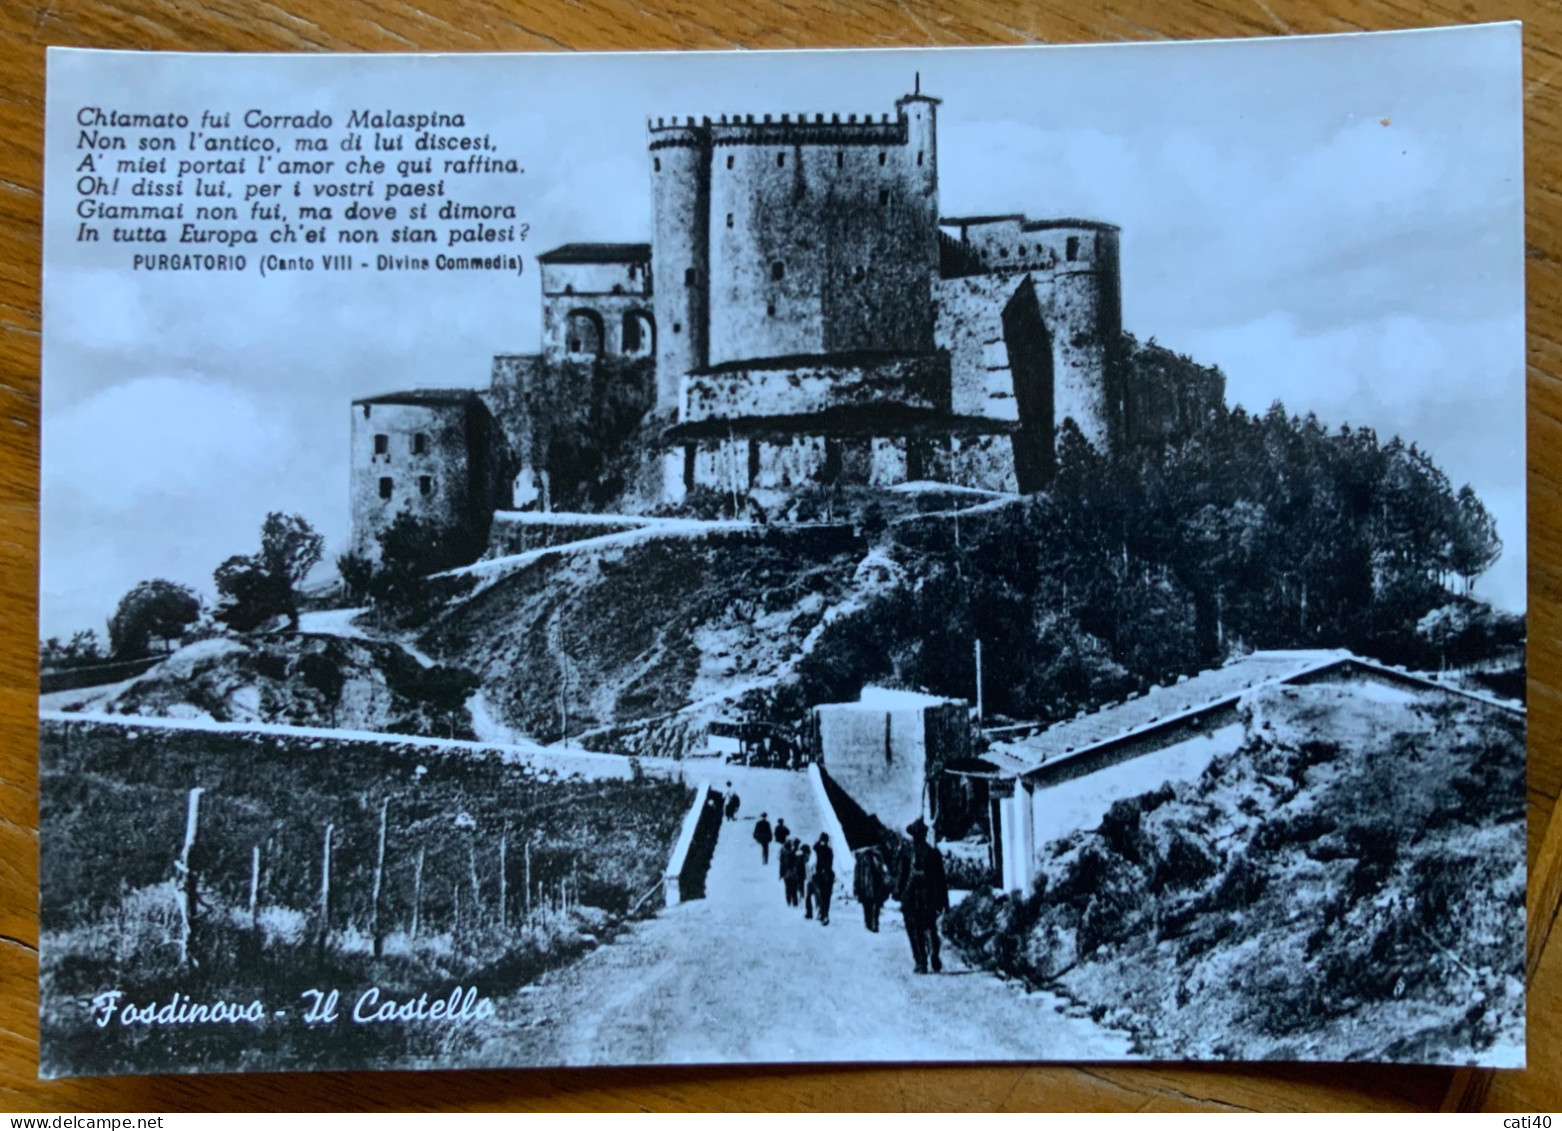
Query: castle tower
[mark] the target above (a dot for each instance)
(680, 201)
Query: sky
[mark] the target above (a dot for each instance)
(1335, 221)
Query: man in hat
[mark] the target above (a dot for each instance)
(923, 893)
(732, 803)
(762, 836)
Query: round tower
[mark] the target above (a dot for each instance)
(680, 201)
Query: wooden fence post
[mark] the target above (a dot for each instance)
(503, 891)
(254, 887)
(325, 887)
(417, 891)
(379, 879)
(188, 893)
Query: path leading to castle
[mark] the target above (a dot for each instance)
(740, 976)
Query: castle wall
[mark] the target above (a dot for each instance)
(435, 486)
(805, 389)
(1078, 303)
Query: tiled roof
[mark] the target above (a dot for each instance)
(1205, 690)
(422, 396)
(597, 253)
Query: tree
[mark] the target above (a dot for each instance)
(258, 587)
(410, 551)
(1475, 543)
(155, 608)
(82, 649)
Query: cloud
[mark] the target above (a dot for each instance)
(179, 439)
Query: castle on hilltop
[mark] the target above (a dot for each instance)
(803, 314)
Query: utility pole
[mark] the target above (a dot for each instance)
(978, 681)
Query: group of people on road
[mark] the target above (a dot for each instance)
(808, 877)
(807, 871)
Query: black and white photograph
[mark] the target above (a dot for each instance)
(938, 555)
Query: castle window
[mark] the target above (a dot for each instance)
(656, 163)
(729, 219)
(770, 309)
(583, 333)
(777, 271)
(1003, 253)
(618, 288)
(883, 196)
(677, 327)
(858, 274)
(688, 467)
(729, 160)
(688, 276)
(1071, 249)
(753, 462)
(381, 444)
(840, 160)
(883, 157)
(385, 487)
(637, 333)
(425, 484)
(919, 157)
(780, 160)
(420, 444)
(569, 288)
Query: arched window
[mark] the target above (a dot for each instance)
(689, 276)
(639, 334)
(583, 333)
(777, 271)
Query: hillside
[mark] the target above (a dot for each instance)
(1347, 885)
(623, 635)
(307, 679)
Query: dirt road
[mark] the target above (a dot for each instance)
(739, 976)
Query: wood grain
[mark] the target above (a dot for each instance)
(485, 25)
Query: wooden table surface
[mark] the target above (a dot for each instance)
(551, 25)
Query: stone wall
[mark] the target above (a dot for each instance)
(445, 462)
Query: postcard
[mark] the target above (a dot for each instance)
(1004, 554)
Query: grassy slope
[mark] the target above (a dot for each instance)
(112, 808)
(373, 685)
(645, 629)
(1349, 884)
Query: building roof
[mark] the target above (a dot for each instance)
(429, 397)
(1168, 707)
(1027, 224)
(598, 253)
(894, 699)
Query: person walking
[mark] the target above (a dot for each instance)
(822, 885)
(782, 834)
(733, 802)
(787, 855)
(923, 892)
(762, 835)
(804, 873)
(870, 884)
